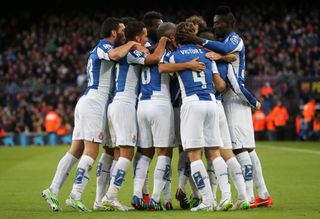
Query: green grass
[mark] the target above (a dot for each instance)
(292, 177)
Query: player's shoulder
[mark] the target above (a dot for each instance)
(136, 54)
(234, 38)
(105, 45)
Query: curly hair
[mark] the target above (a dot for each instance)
(197, 20)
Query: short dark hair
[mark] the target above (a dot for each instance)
(149, 16)
(126, 20)
(206, 33)
(133, 29)
(108, 25)
(225, 11)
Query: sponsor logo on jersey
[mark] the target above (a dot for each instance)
(234, 40)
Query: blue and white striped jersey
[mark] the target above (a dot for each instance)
(227, 73)
(175, 92)
(128, 70)
(196, 84)
(100, 69)
(154, 86)
(231, 44)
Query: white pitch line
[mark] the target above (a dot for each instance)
(291, 149)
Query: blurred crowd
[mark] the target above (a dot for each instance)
(43, 57)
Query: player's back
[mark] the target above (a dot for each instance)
(154, 86)
(100, 70)
(191, 82)
(127, 77)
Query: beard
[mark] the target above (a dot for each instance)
(119, 41)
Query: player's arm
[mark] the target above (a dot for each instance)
(237, 86)
(233, 44)
(193, 65)
(116, 54)
(155, 57)
(214, 56)
(219, 83)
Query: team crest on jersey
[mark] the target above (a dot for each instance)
(137, 53)
(234, 40)
(107, 46)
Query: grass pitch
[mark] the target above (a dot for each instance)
(291, 171)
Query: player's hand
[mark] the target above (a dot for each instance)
(165, 39)
(186, 38)
(213, 56)
(197, 66)
(141, 48)
(258, 105)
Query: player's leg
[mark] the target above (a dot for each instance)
(193, 117)
(162, 174)
(167, 188)
(213, 142)
(146, 155)
(162, 129)
(91, 151)
(234, 167)
(140, 175)
(103, 176)
(263, 198)
(145, 188)
(201, 180)
(238, 133)
(221, 171)
(62, 172)
(183, 164)
(126, 136)
(235, 171)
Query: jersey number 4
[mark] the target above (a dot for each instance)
(199, 77)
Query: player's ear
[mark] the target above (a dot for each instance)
(114, 33)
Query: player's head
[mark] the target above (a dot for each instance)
(113, 29)
(184, 28)
(126, 20)
(206, 33)
(223, 21)
(152, 20)
(136, 31)
(198, 21)
(167, 29)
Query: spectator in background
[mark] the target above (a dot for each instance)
(315, 134)
(271, 129)
(308, 113)
(280, 116)
(267, 94)
(259, 124)
(301, 126)
(52, 121)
